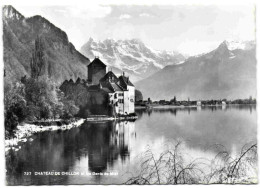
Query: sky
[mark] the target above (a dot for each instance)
(188, 29)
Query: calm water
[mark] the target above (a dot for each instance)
(114, 147)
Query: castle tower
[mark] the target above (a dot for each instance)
(96, 71)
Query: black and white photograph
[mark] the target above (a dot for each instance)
(130, 93)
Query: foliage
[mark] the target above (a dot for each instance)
(15, 107)
(35, 100)
(69, 109)
(228, 169)
(138, 95)
(41, 97)
(37, 97)
(174, 100)
(172, 167)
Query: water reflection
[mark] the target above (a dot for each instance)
(231, 126)
(107, 146)
(106, 142)
(102, 143)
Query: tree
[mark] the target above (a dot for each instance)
(58, 106)
(138, 95)
(173, 101)
(69, 109)
(41, 96)
(38, 59)
(15, 107)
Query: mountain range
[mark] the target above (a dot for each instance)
(19, 34)
(131, 56)
(229, 72)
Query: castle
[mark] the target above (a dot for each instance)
(120, 90)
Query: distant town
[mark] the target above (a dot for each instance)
(175, 102)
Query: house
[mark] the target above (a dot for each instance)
(198, 103)
(120, 91)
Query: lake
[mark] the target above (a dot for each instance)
(114, 148)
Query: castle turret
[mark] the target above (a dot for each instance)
(96, 71)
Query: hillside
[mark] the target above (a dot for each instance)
(131, 56)
(226, 72)
(19, 33)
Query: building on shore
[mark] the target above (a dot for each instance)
(120, 90)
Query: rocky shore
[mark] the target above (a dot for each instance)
(26, 130)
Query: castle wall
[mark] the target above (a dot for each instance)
(126, 103)
(116, 100)
(131, 99)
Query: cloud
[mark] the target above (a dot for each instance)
(124, 16)
(60, 11)
(144, 15)
(90, 12)
(187, 26)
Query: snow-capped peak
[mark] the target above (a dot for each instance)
(131, 56)
(243, 45)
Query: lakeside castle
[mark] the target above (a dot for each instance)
(120, 90)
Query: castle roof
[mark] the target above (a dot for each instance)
(78, 80)
(107, 90)
(116, 87)
(97, 62)
(125, 81)
(110, 76)
(111, 87)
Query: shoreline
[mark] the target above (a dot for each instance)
(26, 130)
(191, 106)
(107, 118)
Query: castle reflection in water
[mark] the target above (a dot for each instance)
(107, 142)
(101, 144)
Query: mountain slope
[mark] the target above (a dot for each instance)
(131, 56)
(227, 72)
(19, 33)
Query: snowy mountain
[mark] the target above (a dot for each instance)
(242, 45)
(130, 56)
(229, 72)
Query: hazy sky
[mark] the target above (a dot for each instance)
(184, 28)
